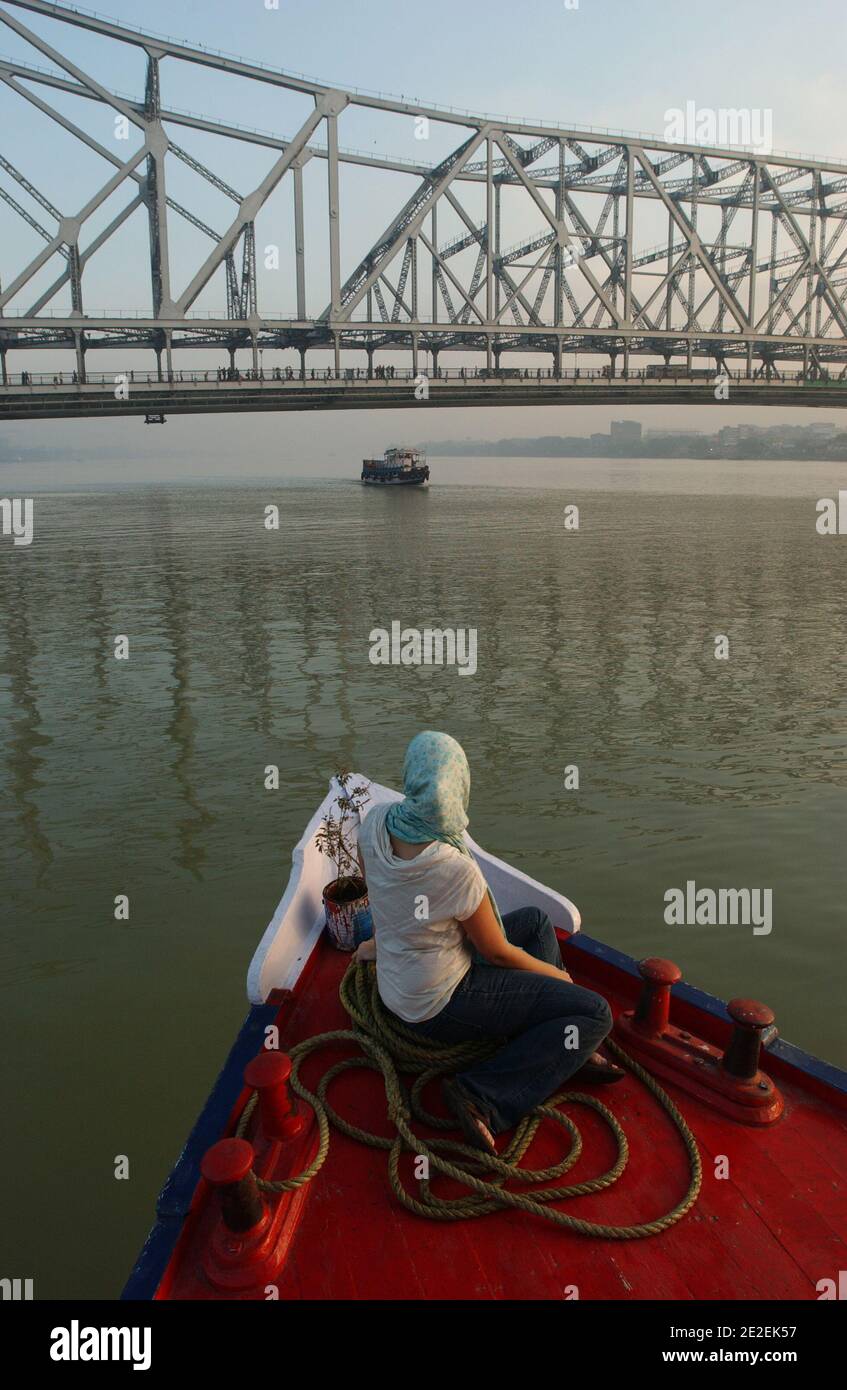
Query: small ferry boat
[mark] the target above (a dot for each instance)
(715, 1170)
(399, 466)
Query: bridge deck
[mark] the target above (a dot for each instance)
(194, 394)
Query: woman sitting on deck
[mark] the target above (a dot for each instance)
(450, 971)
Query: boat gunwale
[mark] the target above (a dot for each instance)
(781, 1051)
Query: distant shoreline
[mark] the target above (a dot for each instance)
(672, 447)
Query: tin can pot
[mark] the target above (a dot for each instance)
(343, 900)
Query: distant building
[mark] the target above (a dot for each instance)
(626, 431)
(673, 434)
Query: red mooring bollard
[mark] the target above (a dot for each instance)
(228, 1167)
(732, 1081)
(247, 1245)
(753, 1024)
(652, 1012)
(268, 1074)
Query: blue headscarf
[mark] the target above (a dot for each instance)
(436, 786)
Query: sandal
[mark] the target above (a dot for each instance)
(469, 1119)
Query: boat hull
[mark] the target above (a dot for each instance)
(413, 478)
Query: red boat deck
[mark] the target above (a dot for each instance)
(774, 1228)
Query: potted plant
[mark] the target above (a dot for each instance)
(347, 895)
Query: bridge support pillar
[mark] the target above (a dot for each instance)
(169, 356)
(337, 350)
(79, 344)
(302, 364)
(3, 373)
(158, 344)
(557, 358)
(232, 361)
(414, 354)
(370, 352)
(254, 341)
(435, 361)
(488, 355)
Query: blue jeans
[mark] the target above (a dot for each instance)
(552, 1026)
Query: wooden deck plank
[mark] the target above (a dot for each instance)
(787, 1188)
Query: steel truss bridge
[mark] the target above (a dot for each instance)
(523, 239)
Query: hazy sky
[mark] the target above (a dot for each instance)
(617, 63)
(607, 63)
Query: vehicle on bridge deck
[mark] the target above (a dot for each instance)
(400, 465)
(770, 1220)
(659, 371)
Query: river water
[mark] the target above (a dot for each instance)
(249, 647)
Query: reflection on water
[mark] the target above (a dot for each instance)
(249, 647)
(26, 739)
(182, 725)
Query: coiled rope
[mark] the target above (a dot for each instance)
(388, 1048)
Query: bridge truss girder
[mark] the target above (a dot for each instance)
(624, 246)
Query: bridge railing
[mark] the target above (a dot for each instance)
(288, 375)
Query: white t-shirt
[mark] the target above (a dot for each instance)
(421, 951)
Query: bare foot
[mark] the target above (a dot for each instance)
(483, 1131)
(468, 1117)
(599, 1068)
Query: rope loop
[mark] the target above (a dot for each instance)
(390, 1048)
